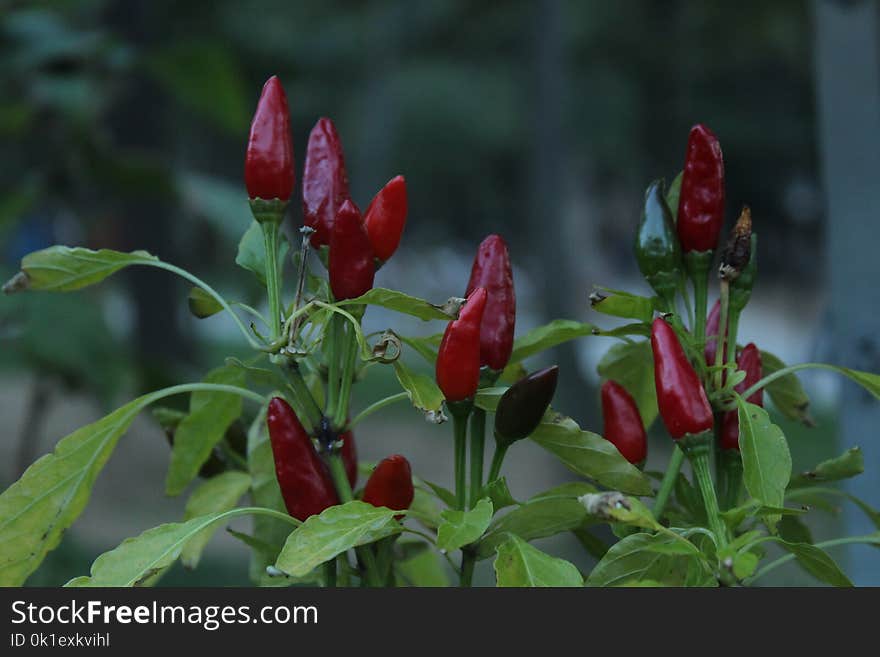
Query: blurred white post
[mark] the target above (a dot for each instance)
(848, 94)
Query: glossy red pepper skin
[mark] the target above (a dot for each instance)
(325, 181)
(391, 484)
(304, 479)
(749, 361)
(680, 396)
(348, 452)
(491, 270)
(268, 163)
(350, 263)
(623, 423)
(385, 218)
(701, 203)
(458, 360)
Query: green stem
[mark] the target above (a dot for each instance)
(270, 242)
(731, 465)
(478, 440)
(207, 288)
(668, 483)
(349, 354)
(468, 561)
(459, 428)
(306, 402)
(732, 330)
(343, 489)
(850, 540)
(376, 406)
(497, 462)
(698, 454)
(701, 302)
(687, 304)
(721, 340)
(332, 356)
(149, 398)
(785, 371)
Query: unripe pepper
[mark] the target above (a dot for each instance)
(657, 249)
(523, 404)
(391, 484)
(325, 181)
(749, 361)
(491, 270)
(385, 218)
(680, 396)
(623, 423)
(268, 164)
(350, 264)
(348, 452)
(458, 360)
(701, 203)
(304, 480)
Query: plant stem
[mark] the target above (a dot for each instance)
(701, 302)
(332, 356)
(349, 354)
(698, 454)
(687, 304)
(732, 329)
(497, 461)
(721, 340)
(459, 428)
(375, 406)
(306, 402)
(668, 483)
(343, 489)
(270, 241)
(731, 465)
(785, 371)
(478, 440)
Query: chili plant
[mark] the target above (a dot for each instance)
(297, 460)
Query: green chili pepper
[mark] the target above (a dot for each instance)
(657, 248)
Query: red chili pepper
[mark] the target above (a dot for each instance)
(712, 322)
(268, 163)
(325, 181)
(680, 396)
(350, 262)
(623, 424)
(701, 203)
(385, 218)
(749, 361)
(304, 480)
(391, 484)
(492, 271)
(348, 452)
(458, 360)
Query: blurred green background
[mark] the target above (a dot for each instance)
(123, 125)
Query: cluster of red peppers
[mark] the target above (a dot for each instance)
(355, 246)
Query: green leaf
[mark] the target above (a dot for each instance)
(816, 497)
(590, 455)
(64, 269)
(817, 562)
(265, 492)
(402, 303)
(547, 336)
(622, 304)
(787, 393)
(37, 509)
(632, 366)
(462, 528)
(640, 328)
(426, 506)
(673, 195)
(520, 564)
(217, 494)
(425, 569)
(202, 304)
(488, 398)
(569, 490)
(650, 557)
(422, 391)
(538, 519)
(252, 252)
(443, 494)
(766, 459)
(849, 464)
(258, 376)
(612, 506)
(210, 414)
(793, 530)
(335, 530)
(499, 493)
